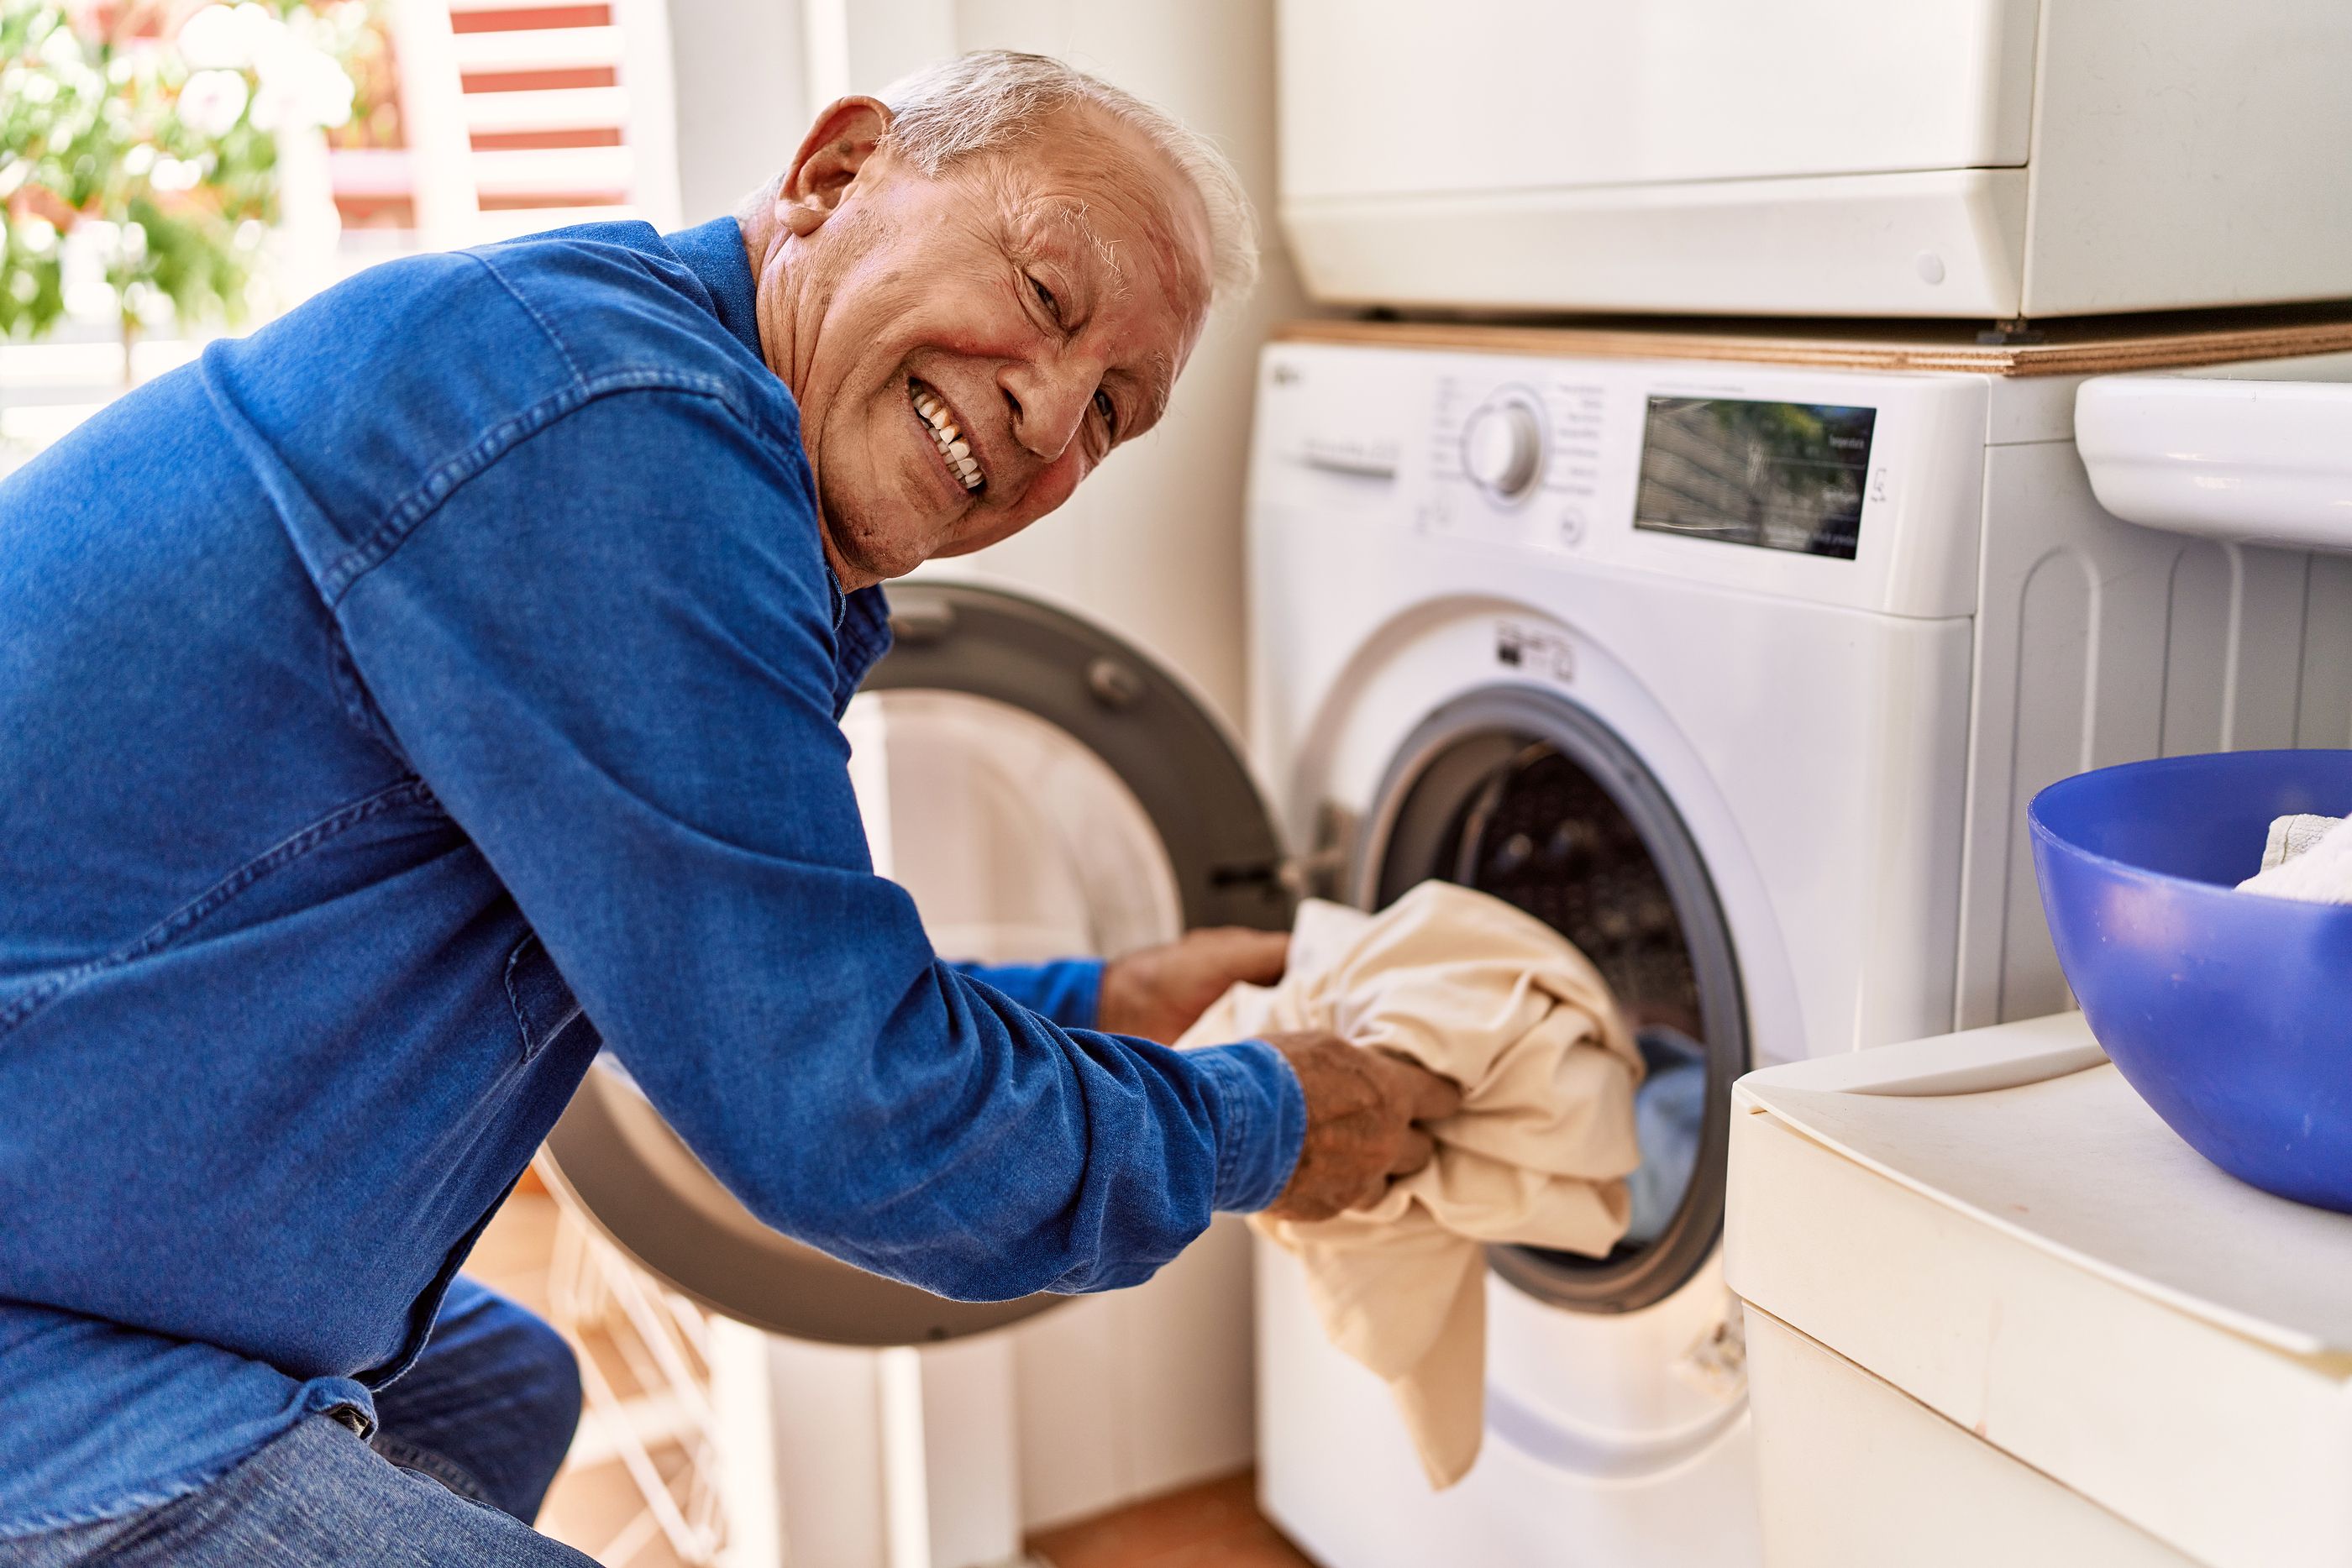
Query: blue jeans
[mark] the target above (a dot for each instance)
(466, 1441)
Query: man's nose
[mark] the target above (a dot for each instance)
(1047, 403)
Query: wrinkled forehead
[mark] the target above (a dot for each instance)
(1096, 186)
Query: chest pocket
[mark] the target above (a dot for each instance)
(543, 1004)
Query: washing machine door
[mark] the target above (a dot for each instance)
(1043, 791)
(1525, 793)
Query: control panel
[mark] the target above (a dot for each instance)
(1854, 487)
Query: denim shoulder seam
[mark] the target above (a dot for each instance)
(176, 924)
(586, 383)
(546, 327)
(445, 478)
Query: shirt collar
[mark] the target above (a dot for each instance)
(713, 252)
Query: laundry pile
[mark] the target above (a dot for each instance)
(2309, 858)
(1475, 990)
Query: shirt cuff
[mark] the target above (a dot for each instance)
(1261, 1122)
(1074, 992)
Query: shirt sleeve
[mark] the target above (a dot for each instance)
(1068, 990)
(610, 654)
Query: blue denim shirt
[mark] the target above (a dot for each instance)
(394, 706)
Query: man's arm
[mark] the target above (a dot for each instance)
(609, 655)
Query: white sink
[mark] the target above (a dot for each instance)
(2224, 453)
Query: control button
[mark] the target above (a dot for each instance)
(1571, 526)
(1502, 448)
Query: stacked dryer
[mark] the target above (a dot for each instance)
(1737, 654)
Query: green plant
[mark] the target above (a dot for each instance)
(145, 155)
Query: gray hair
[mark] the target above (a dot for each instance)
(994, 98)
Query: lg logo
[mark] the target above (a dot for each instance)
(1535, 651)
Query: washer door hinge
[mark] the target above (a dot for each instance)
(1322, 872)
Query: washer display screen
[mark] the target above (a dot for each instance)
(1775, 475)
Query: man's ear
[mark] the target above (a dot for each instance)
(834, 150)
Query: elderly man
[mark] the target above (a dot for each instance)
(473, 641)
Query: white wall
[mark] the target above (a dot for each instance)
(742, 97)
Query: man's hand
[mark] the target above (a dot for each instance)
(1158, 992)
(1363, 1107)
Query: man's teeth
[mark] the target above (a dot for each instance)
(956, 450)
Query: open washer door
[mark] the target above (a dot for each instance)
(1043, 791)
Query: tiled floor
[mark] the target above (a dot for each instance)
(1215, 1525)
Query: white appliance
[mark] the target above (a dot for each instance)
(1956, 158)
(1738, 663)
(1998, 1313)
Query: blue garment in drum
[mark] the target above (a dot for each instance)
(1670, 1120)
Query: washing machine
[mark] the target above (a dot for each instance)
(1736, 659)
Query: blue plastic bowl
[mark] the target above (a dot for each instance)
(2229, 1013)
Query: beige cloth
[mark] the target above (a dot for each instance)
(1494, 1000)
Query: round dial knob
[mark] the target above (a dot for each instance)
(1502, 447)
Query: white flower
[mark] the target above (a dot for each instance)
(59, 49)
(90, 250)
(227, 37)
(212, 40)
(139, 160)
(210, 102)
(301, 87)
(175, 175)
(37, 234)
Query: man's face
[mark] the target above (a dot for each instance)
(966, 349)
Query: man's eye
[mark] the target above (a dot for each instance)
(1108, 409)
(1045, 295)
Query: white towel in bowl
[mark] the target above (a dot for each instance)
(2309, 858)
(2290, 836)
